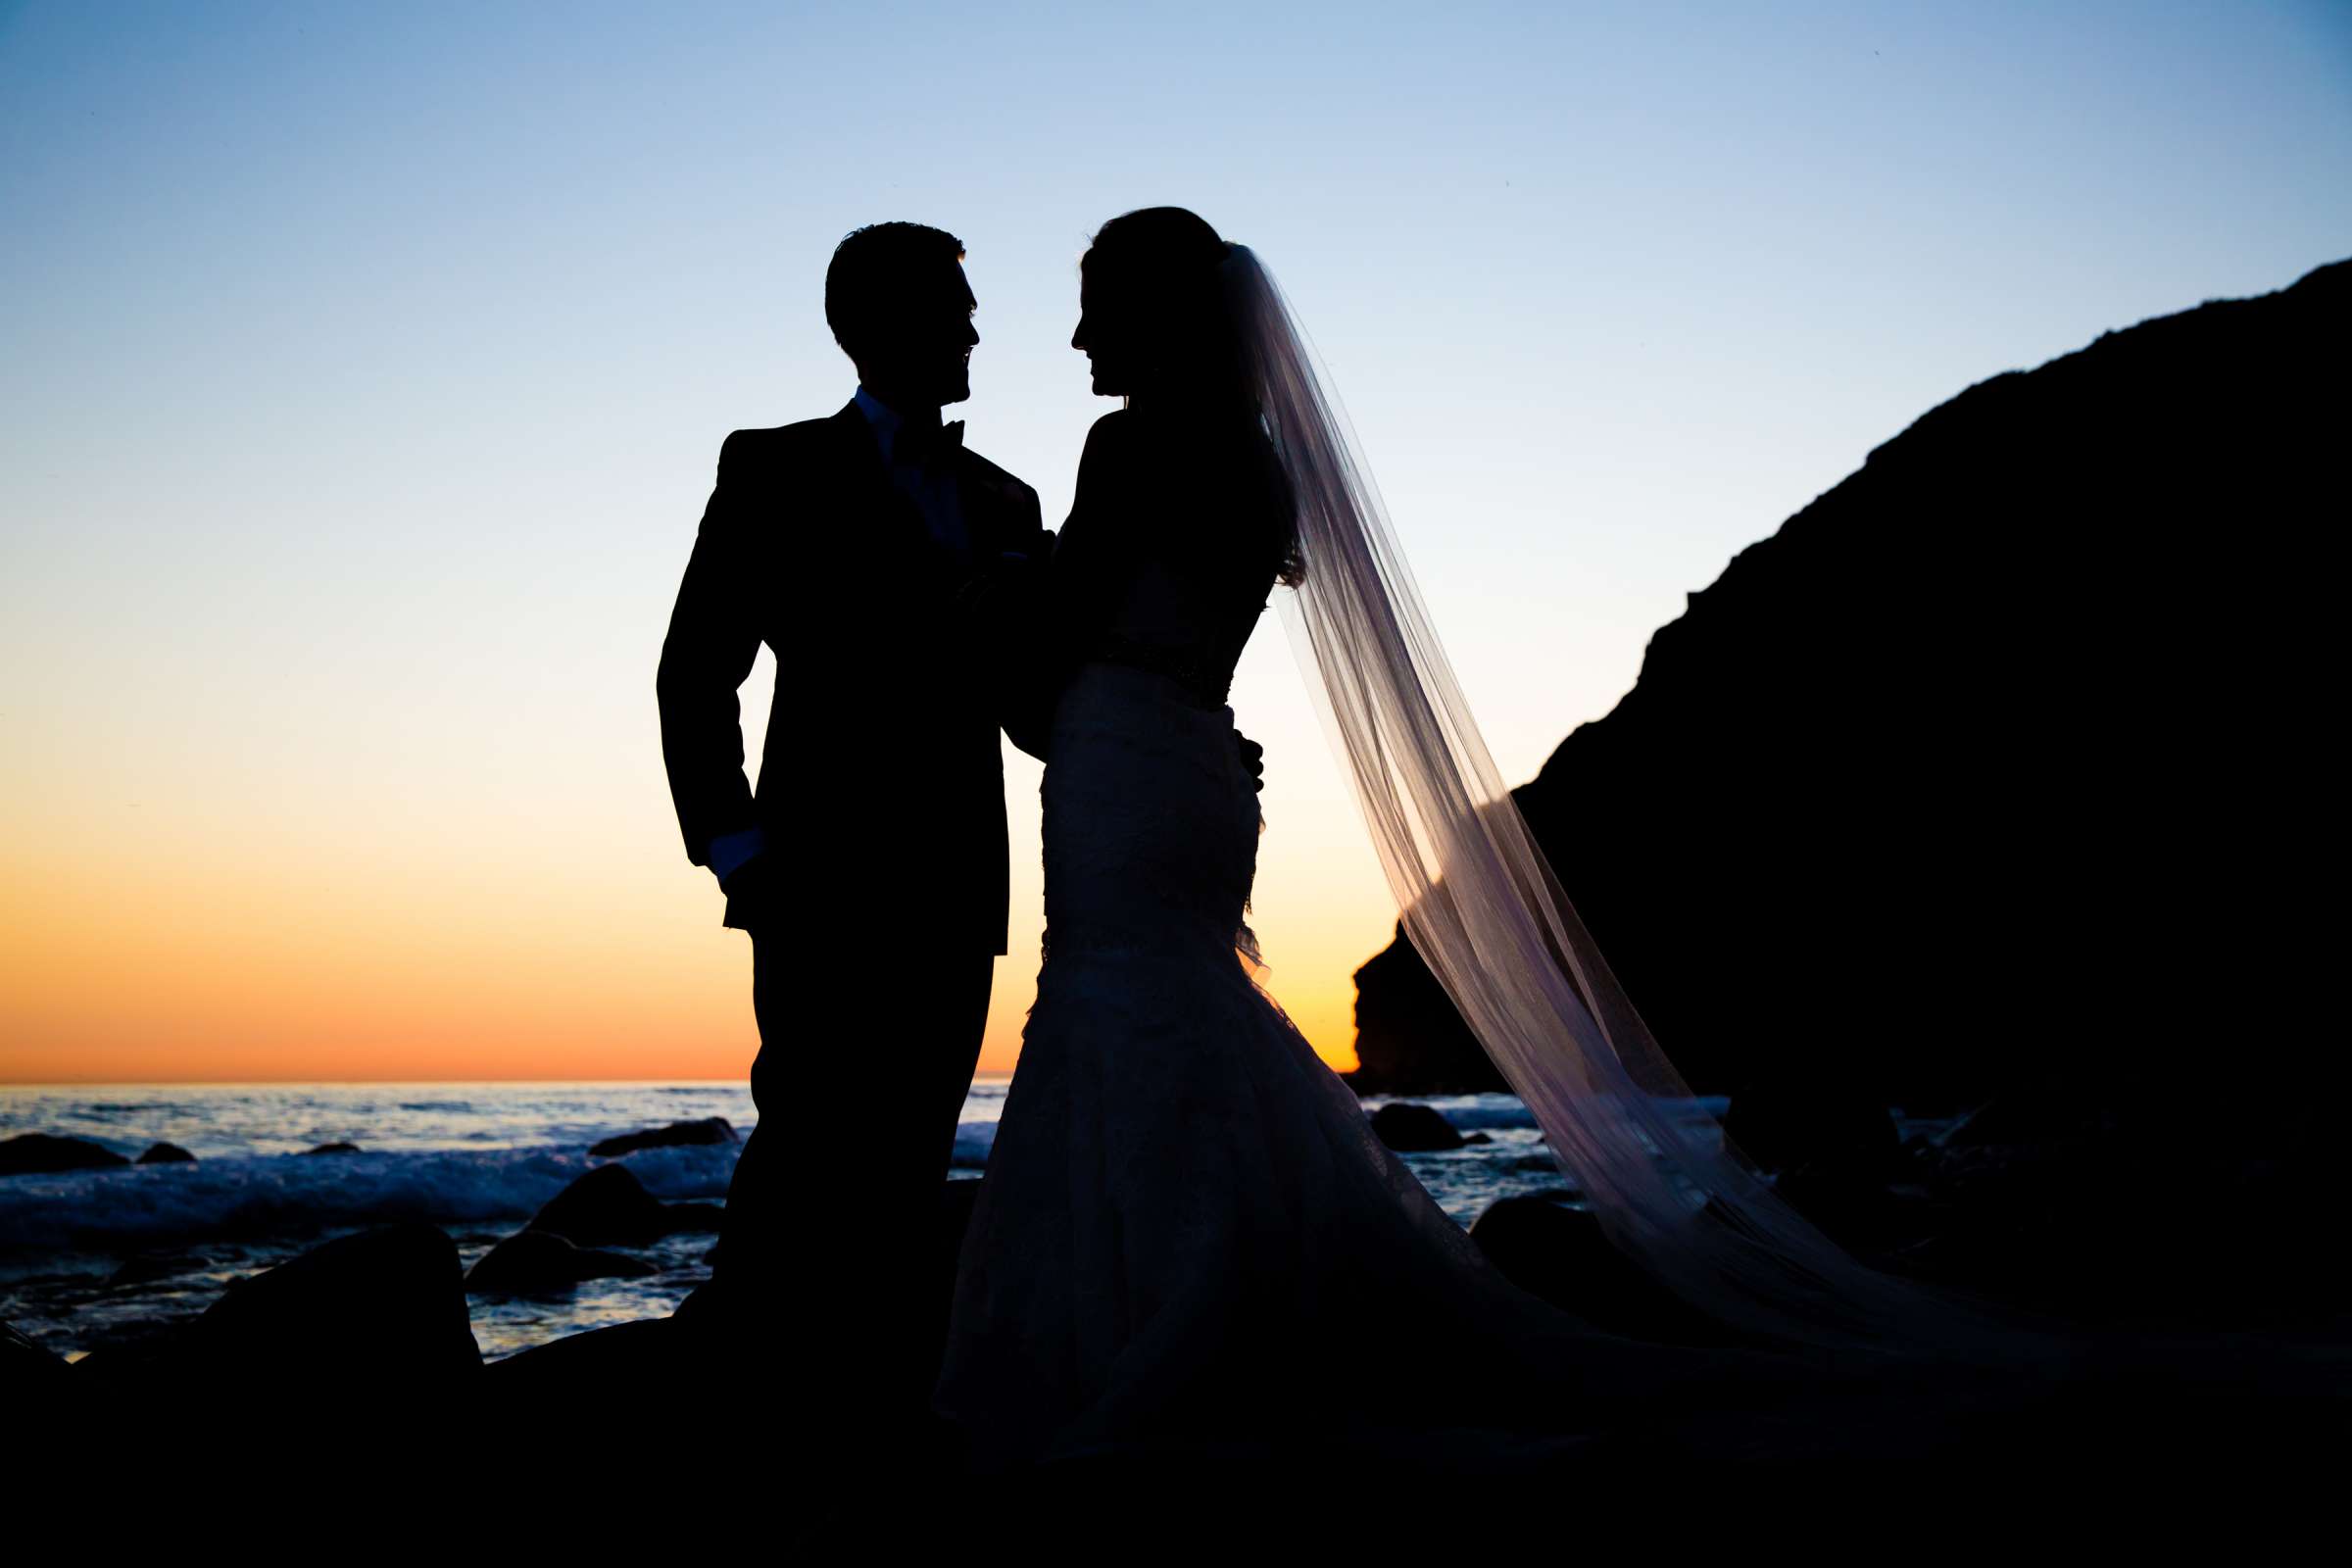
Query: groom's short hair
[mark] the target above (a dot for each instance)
(873, 272)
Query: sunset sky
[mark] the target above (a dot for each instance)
(362, 371)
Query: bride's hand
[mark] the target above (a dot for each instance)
(1253, 760)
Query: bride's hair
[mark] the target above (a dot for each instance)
(1170, 281)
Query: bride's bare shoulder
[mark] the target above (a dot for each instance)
(1115, 444)
(1113, 432)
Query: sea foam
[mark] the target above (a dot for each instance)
(268, 1194)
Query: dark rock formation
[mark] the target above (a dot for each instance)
(24, 1362)
(1837, 1158)
(381, 1313)
(713, 1335)
(1814, 1128)
(610, 1206)
(30, 1153)
(1414, 1129)
(333, 1149)
(166, 1154)
(709, 1130)
(1408, 1038)
(2000, 768)
(541, 1263)
(1561, 1255)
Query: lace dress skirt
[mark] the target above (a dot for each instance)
(1188, 1232)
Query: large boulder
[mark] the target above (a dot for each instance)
(39, 1153)
(542, 1263)
(337, 1148)
(709, 1130)
(1411, 1129)
(380, 1314)
(166, 1154)
(610, 1206)
(722, 1331)
(1560, 1253)
(1843, 1136)
(2002, 768)
(1837, 1158)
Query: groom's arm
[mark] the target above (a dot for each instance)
(713, 638)
(1005, 609)
(1033, 669)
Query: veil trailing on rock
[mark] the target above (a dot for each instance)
(1483, 908)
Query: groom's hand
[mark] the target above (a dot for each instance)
(1002, 610)
(1253, 760)
(1006, 585)
(755, 893)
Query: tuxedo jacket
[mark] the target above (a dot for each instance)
(881, 794)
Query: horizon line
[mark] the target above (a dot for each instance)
(265, 1083)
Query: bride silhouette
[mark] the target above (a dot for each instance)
(1187, 1228)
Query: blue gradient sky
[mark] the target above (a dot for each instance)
(362, 371)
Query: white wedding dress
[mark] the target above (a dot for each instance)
(1188, 1233)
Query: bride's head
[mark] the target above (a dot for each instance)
(1153, 312)
(1166, 315)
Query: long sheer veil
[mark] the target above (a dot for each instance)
(1482, 906)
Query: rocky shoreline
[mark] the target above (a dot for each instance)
(379, 1318)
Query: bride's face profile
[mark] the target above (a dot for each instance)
(1105, 344)
(1149, 318)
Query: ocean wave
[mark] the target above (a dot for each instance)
(973, 1141)
(264, 1195)
(247, 1196)
(1494, 1113)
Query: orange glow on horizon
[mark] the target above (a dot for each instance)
(188, 957)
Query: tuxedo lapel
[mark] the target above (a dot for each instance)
(982, 526)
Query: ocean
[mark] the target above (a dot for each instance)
(91, 1258)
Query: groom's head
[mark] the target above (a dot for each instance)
(900, 309)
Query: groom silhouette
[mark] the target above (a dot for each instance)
(890, 569)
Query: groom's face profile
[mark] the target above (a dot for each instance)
(925, 357)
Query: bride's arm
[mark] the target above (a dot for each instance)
(1095, 553)
(1079, 588)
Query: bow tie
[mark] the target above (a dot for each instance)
(919, 446)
